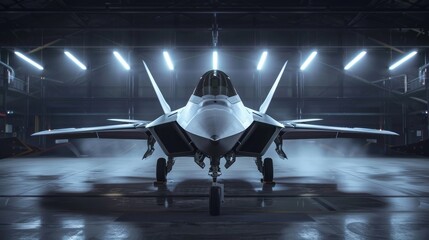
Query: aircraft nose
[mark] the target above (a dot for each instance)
(216, 123)
(215, 131)
(214, 137)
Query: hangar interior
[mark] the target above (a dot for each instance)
(368, 95)
(62, 95)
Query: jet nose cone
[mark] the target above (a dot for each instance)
(214, 137)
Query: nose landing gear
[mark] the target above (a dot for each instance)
(216, 195)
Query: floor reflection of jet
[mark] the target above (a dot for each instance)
(214, 124)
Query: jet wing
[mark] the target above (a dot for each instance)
(310, 131)
(119, 131)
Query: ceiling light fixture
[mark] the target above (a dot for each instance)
(38, 66)
(262, 61)
(168, 60)
(75, 60)
(308, 60)
(121, 60)
(355, 60)
(402, 60)
(215, 60)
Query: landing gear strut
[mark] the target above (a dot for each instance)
(214, 170)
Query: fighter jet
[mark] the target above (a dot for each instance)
(214, 125)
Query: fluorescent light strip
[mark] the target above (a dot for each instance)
(355, 60)
(262, 61)
(75, 60)
(121, 60)
(308, 61)
(215, 59)
(168, 60)
(38, 66)
(402, 60)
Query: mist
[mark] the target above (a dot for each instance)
(111, 147)
(294, 149)
(323, 153)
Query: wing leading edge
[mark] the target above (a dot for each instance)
(119, 131)
(309, 131)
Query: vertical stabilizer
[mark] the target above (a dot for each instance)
(264, 106)
(165, 107)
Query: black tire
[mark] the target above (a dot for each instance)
(214, 201)
(161, 170)
(268, 170)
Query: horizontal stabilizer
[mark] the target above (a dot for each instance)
(266, 103)
(127, 120)
(301, 120)
(165, 107)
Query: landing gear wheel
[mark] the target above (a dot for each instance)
(161, 170)
(214, 200)
(268, 170)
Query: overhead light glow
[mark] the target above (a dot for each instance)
(75, 60)
(355, 60)
(38, 66)
(308, 60)
(121, 60)
(402, 60)
(262, 61)
(168, 60)
(215, 59)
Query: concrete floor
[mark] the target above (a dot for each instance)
(115, 198)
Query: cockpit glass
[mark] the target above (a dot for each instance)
(215, 82)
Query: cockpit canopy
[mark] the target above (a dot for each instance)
(215, 82)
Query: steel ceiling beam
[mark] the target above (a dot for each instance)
(212, 10)
(205, 28)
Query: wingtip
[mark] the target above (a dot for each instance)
(37, 134)
(387, 132)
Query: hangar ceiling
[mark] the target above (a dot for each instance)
(31, 23)
(61, 96)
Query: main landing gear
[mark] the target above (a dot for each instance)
(216, 193)
(163, 167)
(266, 168)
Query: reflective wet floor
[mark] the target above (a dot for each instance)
(116, 198)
